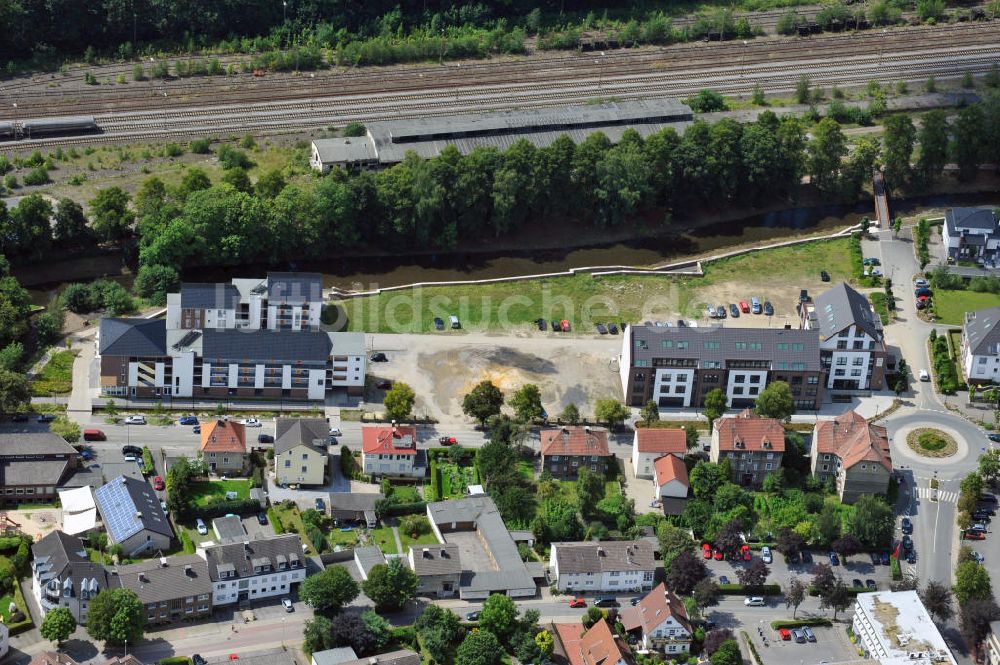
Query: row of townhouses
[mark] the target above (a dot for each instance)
(244, 339)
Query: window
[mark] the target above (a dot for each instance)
(305, 469)
(642, 363)
(855, 372)
(739, 378)
(767, 467)
(770, 456)
(826, 467)
(858, 362)
(712, 364)
(682, 345)
(841, 344)
(712, 345)
(842, 360)
(305, 455)
(288, 463)
(753, 390)
(667, 343)
(813, 380)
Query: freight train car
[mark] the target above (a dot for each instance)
(39, 127)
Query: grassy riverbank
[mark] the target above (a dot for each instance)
(774, 274)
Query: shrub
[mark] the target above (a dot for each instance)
(201, 146)
(798, 623)
(220, 508)
(739, 589)
(148, 468)
(175, 660)
(234, 158)
(275, 520)
(707, 101)
(173, 150)
(36, 176)
(355, 129)
(138, 74)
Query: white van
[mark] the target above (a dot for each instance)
(455, 325)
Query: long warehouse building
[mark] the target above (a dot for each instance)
(386, 143)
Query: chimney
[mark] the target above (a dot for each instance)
(138, 514)
(141, 577)
(601, 552)
(163, 562)
(188, 570)
(586, 428)
(124, 481)
(427, 553)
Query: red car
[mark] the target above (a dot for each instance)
(578, 602)
(719, 556)
(745, 551)
(564, 324)
(447, 441)
(744, 307)
(158, 484)
(975, 535)
(706, 550)
(785, 634)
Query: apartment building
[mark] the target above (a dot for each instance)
(753, 446)
(391, 451)
(981, 346)
(254, 569)
(567, 449)
(853, 454)
(171, 589)
(972, 234)
(62, 575)
(852, 345)
(614, 566)
(660, 622)
(677, 367)
(33, 465)
(301, 451)
(894, 628)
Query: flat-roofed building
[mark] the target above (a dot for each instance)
(894, 628)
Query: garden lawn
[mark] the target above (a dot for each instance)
(5, 602)
(383, 539)
(454, 480)
(421, 539)
(406, 493)
(527, 470)
(951, 306)
(56, 378)
(343, 538)
(202, 491)
(955, 339)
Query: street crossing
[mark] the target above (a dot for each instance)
(943, 496)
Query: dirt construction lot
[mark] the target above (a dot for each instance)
(442, 369)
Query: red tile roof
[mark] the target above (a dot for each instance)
(389, 439)
(575, 441)
(851, 438)
(570, 635)
(654, 609)
(223, 436)
(661, 440)
(752, 432)
(670, 467)
(599, 646)
(52, 658)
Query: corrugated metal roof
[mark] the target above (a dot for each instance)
(722, 345)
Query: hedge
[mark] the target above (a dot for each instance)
(813, 591)
(798, 623)
(175, 660)
(148, 468)
(236, 506)
(894, 568)
(9, 545)
(404, 508)
(435, 480)
(275, 520)
(739, 589)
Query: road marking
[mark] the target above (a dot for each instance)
(943, 496)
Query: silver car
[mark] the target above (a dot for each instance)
(798, 635)
(808, 633)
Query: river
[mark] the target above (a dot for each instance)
(383, 270)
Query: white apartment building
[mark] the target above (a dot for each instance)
(253, 569)
(981, 346)
(615, 566)
(894, 628)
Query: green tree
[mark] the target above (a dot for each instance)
(316, 634)
(71, 224)
(239, 179)
(479, 647)
(390, 586)
(483, 402)
(112, 217)
(899, 137)
(399, 401)
(775, 401)
(589, 490)
(546, 644)
(937, 599)
(795, 594)
(14, 391)
(439, 631)
(591, 616)
(116, 615)
(527, 402)
(933, 137)
(610, 411)
(802, 86)
(838, 598)
(65, 428)
(728, 653)
(377, 627)
(971, 582)
(715, 404)
(706, 478)
(825, 154)
(270, 184)
(871, 521)
(154, 282)
(498, 616)
(966, 131)
(178, 484)
(650, 413)
(330, 590)
(58, 625)
(989, 465)
(570, 414)
(691, 436)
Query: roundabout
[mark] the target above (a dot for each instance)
(964, 442)
(930, 442)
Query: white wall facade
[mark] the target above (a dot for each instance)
(842, 365)
(674, 382)
(669, 635)
(982, 368)
(347, 371)
(745, 384)
(391, 465)
(265, 585)
(625, 362)
(673, 489)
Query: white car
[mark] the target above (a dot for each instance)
(135, 420)
(335, 431)
(765, 555)
(924, 376)
(754, 601)
(250, 422)
(922, 283)
(200, 525)
(287, 603)
(978, 557)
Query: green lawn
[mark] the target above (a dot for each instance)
(621, 297)
(56, 377)
(951, 306)
(291, 520)
(5, 602)
(421, 539)
(527, 469)
(383, 538)
(406, 493)
(202, 491)
(454, 479)
(343, 538)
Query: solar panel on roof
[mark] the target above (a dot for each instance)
(188, 339)
(118, 509)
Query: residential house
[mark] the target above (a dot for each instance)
(354, 507)
(224, 447)
(614, 565)
(171, 589)
(438, 569)
(133, 517)
(254, 569)
(671, 478)
(753, 445)
(493, 564)
(853, 454)
(991, 647)
(568, 448)
(391, 451)
(894, 627)
(597, 646)
(677, 367)
(972, 234)
(852, 345)
(33, 465)
(301, 451)
(52, 658)
(367, 558)
(660, 621)
(651, 443)
(981, 346)
(62, 575)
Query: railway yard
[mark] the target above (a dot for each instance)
(280, 103)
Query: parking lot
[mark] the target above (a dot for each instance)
(858, 567)
(831, 646)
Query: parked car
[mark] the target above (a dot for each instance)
(803, 295)
(602, 329)
(719, 556)
(981, 516)
(798, 635)
(538, 322)
(784, 634)
(807, 556)
(978, 527)
(765, 554)
(635, 601)
(198, 660)
(196, 429)
(605, 601)
(200, 525)
(978, 557)
(885, 558)
(857, 583)
(613, 328)
(438, 323)
(163, 506)
(975, 535)
(287, 604)
(383, 384)
(906, 525)
(745, 552)
(723, 579)
(251, 422)
(712, 314)
(706, 550)
(335, 431)
(681, 323)
(754, 601)
(807, 631)
(923, 291)
(134, 451)
(824, 276)
(94, 435)
(988, 497)
(794, 557)
(768, 308)
(46, 418)
(320, 505)
(755, 305)
(555, 326)
(911, 557)
(20, 418)
(721, 311)
(834, 559)
(262, 519)
(188, 420)
(907, 543)
(578, 602)
(447, 440)
(158, 484)
(135, 420)
(871, 261)
(564, 324)
(378, 357)
(472, 616)
(734, 311)
(870, 584)
(924, 376)
(993, 437)
(876, 559)
(920, 281)
(744, 307)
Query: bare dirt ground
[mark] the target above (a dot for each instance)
(37, 522)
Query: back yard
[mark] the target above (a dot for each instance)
(204, 492)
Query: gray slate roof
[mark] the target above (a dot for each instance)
(401, 657)
(215, 295)
(970, 218)
(647, 344)
(229, 529)
(841, 306)
(133, 337)
(357, 502)
(294, 288)
(435, 559)
(283, 346)
(63, 557)
(605, 556)
(334, 656)
(128, 506)
(368, 558)
(45, 458)
(982, 331)
(34, 443)
(239, 556)
(291, 432)
(182, 576)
